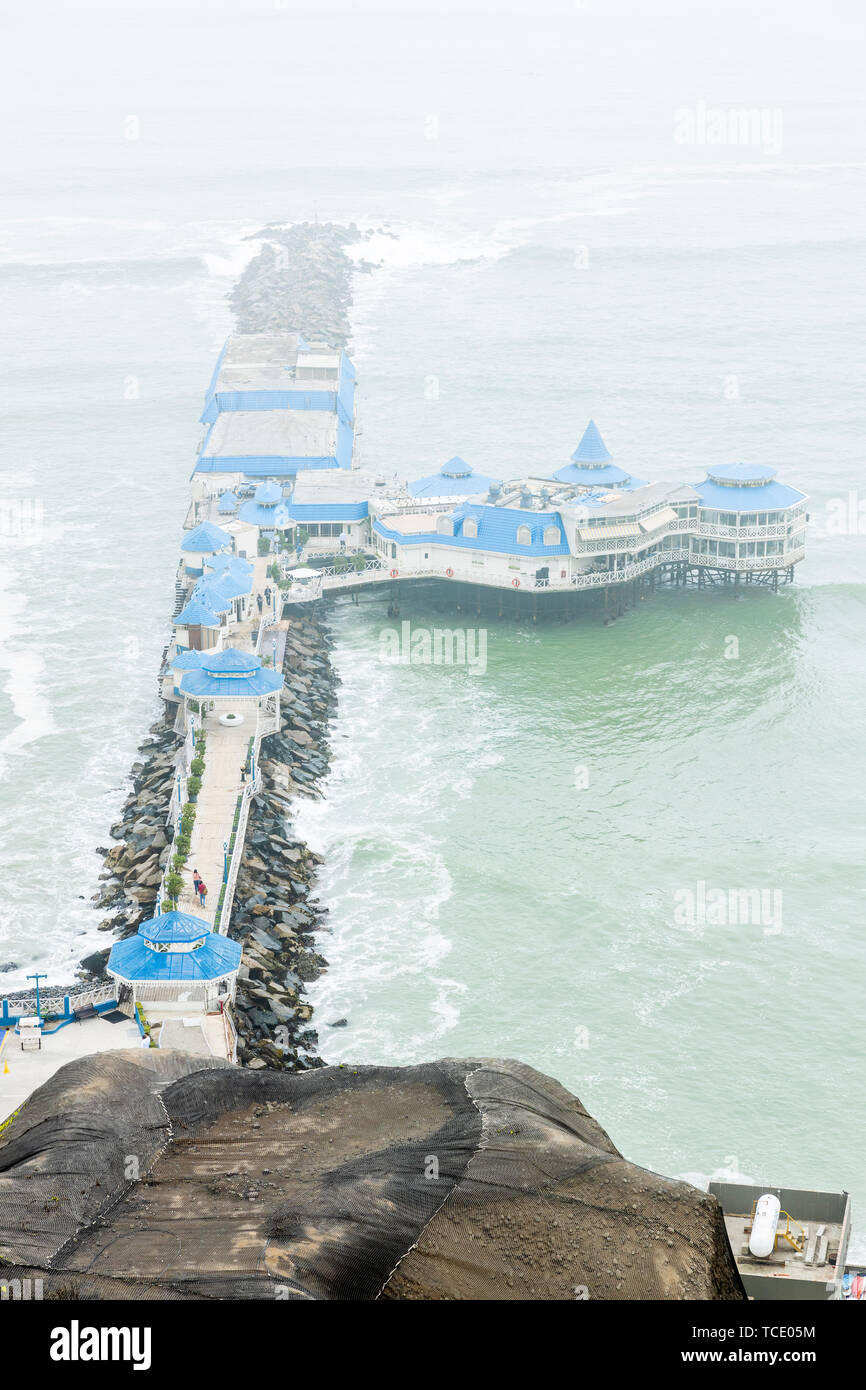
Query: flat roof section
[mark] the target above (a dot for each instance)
(290, 433)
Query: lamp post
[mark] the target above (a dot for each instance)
(225, 861)
(37, 977)
(192, 728)
(179, 807)
(253, 765)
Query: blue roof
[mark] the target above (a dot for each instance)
(135, 961)
(206, 537)
(174, 926)
(764, 498)
(233, 565)
(497, 531)
(733, 473)
(268, 494)
(227, 502)
(196, 614)
(456, 478)
(264, 681)
(216, 592)
(230, 659)
(187, 661)
(592, 448)
(268, 518)
(605, 475)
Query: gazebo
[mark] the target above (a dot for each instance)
(232, 678)
(177, 957)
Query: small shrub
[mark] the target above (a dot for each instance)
(193, 786)
(196, 767)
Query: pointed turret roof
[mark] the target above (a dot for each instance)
(592, 448)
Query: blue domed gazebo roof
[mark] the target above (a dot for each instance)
(456, 478)
(197, 613)
(205, 538)
(174, 926)
(231, 674)
(230, 659)
(227, 503)
(745, 487)
(740, 474)
(174, 947)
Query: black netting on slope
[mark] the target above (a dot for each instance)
(69, 1150)
(456, 1179)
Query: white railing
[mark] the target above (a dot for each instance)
(231, 1035)
(225, 906)
(52, 1000)
(748, 562)
(708, 528)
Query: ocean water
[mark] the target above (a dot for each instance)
(507, 853)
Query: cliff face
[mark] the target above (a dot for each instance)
(144, 1174)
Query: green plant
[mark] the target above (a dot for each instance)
(274, 571)
(303, 536)
(196, 767)
(167, 905)
(173, 886)
(341, 564)
(359, 561)
(193, 786)
(179, 860)
(264, 545)
(194, 706)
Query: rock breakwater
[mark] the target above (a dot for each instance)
(275, 914)
(300, 281)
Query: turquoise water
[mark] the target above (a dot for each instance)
(507, 852)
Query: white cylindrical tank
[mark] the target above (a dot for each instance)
(762, 1241)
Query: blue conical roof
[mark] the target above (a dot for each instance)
(206, 537)
(268, 494)
(227, 502)
(197, 614)
(187, 661)
(592, 448)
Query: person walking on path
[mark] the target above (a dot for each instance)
(196, 881)
(259, 601)
(202, 892)
(343, 539)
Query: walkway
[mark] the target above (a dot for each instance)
(225, 757)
